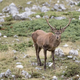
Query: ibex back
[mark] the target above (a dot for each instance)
(47, 41)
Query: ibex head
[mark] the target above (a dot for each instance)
(58, 32)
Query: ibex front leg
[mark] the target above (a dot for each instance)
(53, 58)
(45, 57)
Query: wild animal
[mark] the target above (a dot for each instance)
(47, 41)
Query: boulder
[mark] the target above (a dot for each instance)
(69, 57)
(1, 14)
(62, 7)
(8, 73)
(2, 75)
(73, 52)
(29, 2)
(44, 9)
(60, 18)
(78, 10)
(34, 7)
(28, 9)
(72, 3)
(59, 7)
(56, 7)
(23, 16)
(59, 52)
(46, 4)
(1, 1)
(1, 20)
(26, 74)
(6, 9)
(13, 9)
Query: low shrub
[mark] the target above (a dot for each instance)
(8, 18)
(72, 70)
(79, 4)
(3, 47)
(20, 47)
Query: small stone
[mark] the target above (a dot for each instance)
(38, 68)
(19, 66)
(18, 63)
(5, 36)
(54, 78)
(50, 64)
(70, 57)
(65, 45)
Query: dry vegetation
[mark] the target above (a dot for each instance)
(8, 61)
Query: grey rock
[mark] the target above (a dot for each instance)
(2, 75)
(0, 34)
(34, 64)
(34, 7)
(26, 74)
(44, 9)
(15, 36)
(8, 73)
(18, 63)
(29, 2)
(38, 16)
(14, 51)
(59, 7)
(59, 52)
(73, 52)
(46, 16)
(1, 14)
(70, 57)
(25, 56)
(6, 9)
(1, 20)
(28, 9)
(77, 61)
(62, 6)
(65, 45)
(37, 68)
(13, 76)
(56, 7)
(5, 36)
(54, 78)
(1, 1)
(72, 3)
(13, 9)
(78, 10)
(60, 18)
(19, 66)
(17, 40)
(46, 4)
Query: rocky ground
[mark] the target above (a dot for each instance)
(22, 13)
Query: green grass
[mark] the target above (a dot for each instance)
(26, 28)
(8, 61)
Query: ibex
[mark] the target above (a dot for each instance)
(47, 41)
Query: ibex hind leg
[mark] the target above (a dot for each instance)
(38, 49)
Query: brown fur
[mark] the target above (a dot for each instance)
(44, 40)
(47, 41)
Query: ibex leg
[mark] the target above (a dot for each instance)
(45, 57)
(38, 58)
(53, 59)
